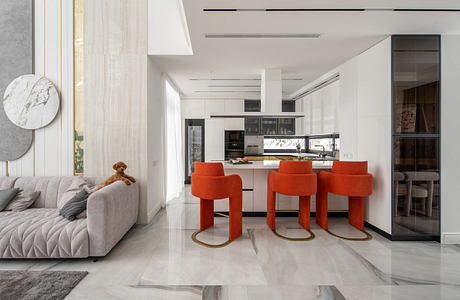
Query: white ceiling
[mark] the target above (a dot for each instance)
(343, 35)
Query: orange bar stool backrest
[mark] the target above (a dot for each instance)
(348, 178)
(209, 183)
(294, 178)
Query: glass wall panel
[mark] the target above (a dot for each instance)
(416, 139)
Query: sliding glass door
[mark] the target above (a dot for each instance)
(416, 137)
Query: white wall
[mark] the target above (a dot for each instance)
(51, 153)
(374, 129)
(155, 140)
(450, 144)
(363, 121)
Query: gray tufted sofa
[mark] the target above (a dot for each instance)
(39, 232)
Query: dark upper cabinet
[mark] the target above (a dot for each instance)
(288, 106)
(252, 105)
(252, 126)
(268, 126)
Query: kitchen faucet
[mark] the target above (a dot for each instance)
(323, 153)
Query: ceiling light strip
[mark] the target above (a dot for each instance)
(230, 86)
(329, 9)
(319, 86)
(261, 35)
(237, 79)
(227, 91)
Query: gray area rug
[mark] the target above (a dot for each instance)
(49, 285)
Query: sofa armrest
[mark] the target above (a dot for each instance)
(111, 212)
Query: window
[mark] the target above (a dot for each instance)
(324, 143)
(284, 144)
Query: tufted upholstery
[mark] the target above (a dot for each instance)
(41, 233)
(51, 188)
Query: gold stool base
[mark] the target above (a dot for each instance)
(312, 236)
(194, 238)
(367, 238)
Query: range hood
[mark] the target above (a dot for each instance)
(270, 100)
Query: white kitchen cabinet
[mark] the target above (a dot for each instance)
(317, 113)
(307, 110)
(234, 105)
(214, 106)
(223, 204)
(284, 202)
(330, 97)
(193, 109)
(247, 177)
(234, 123)
(214, 139)
(260, 189)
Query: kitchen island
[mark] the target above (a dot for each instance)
(254, 177)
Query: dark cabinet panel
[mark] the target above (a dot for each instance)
(252, 105)
(269, 126)
(286, 126)
(288, 106)
(252, 126)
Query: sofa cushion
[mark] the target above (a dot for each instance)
(7, 182)
(75, 206)
(41, 233)
(47, 186)
(22, 201)
(6, 196)
(77, 185)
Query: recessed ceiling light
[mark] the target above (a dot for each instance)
(234, 79)
(226, 91)
(262, 35)
(237, 85)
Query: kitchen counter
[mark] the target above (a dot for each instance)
(254, 178)
(273, 165)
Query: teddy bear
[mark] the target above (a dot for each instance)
(120, 168)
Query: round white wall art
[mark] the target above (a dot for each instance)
(31, 101)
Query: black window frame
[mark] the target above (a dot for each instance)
(307, 138)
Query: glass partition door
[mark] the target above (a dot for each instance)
(416, 137)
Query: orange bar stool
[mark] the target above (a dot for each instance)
(209, 183)
(294, 178)
(348, 178)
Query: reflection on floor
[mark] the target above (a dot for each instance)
(160, 261)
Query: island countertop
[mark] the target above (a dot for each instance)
(273, 165)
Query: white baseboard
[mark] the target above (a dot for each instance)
(153, 212)
(450, 238)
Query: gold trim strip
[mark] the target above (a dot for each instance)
(367, 238)
(311, 237)
(221, 214)
(196, 240)
(7, 168)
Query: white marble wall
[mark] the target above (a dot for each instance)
(52, 151)
(116, 90)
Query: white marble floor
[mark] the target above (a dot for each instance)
(160, 261)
